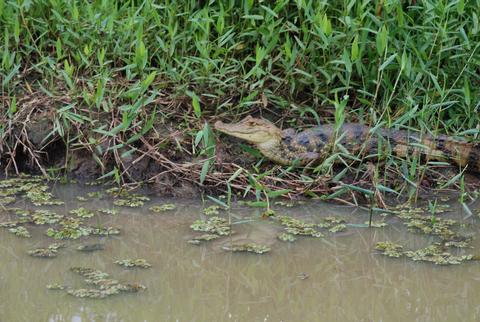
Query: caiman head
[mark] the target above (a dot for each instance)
(257, 131)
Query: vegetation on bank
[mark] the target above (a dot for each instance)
(131, 84)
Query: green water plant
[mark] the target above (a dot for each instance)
(247, 247)
(20, 231)
(108, 211)
(298, 227)
(213, 225)
(286, 237)
(102, 285)
(82, 213)
(203, 238)
(390, 249)
(163, 208)
(212, 210)
(133, 263)
(46, 252)
(438, 255)
(42, 217)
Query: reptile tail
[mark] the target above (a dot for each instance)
(406, 144)
(441, 148)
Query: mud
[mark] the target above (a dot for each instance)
(32, 143)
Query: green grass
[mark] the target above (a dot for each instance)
(118, 70)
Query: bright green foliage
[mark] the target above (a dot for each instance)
(390, 63)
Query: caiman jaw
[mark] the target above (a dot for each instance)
(256, 131)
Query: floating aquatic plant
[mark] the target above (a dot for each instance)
(82, 213)
(104, 231)
(205, 237)
(7, 200)
(247, 247)
(211, 210)
(286, 237)
(10, 224)
(81, 198)
(42, 217)
(20, 231)
(131, 263)
(70, 228)
(337, 228)
(130, 200)
(331, 221)
(96, 194)
(56, 286)
(47, 252)
(297, 227)
(438, 255)
(390, 249)
(163, 208)
(214, 225)
(108, 211)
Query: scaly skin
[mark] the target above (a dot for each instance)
(286, 147)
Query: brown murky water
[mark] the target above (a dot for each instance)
(337, 278)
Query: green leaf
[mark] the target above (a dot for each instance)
(257, 204)
(195, 104)
(218, 201)
(13, 107)
(461, 7)
(354, 52)
(381, 40)
(203, 174)
(278, 193)
(466, 92)
(326, 25)
(387, 62)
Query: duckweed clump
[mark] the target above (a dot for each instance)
(205, 237)
(438, 255)
(286, 237)
(211, 210)
(247, 247)
(103, 285)
(163, 208)
(390, 249)
(42, 217)
(70, 228)
(82, 213)
(439, 226)
(126, 199)
(333, 224)
(20, 231)
(297, 227)
(435, 253)
(47, 252)
(30, 187)
(214, 225)
(56, 286)
(132, 263)
(107, 211)
(7, 200)
(104, 231)
(338, 228)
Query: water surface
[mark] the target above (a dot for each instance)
(337, 278)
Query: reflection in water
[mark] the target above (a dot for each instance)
(337, 278)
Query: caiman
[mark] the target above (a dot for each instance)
(313, 145)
